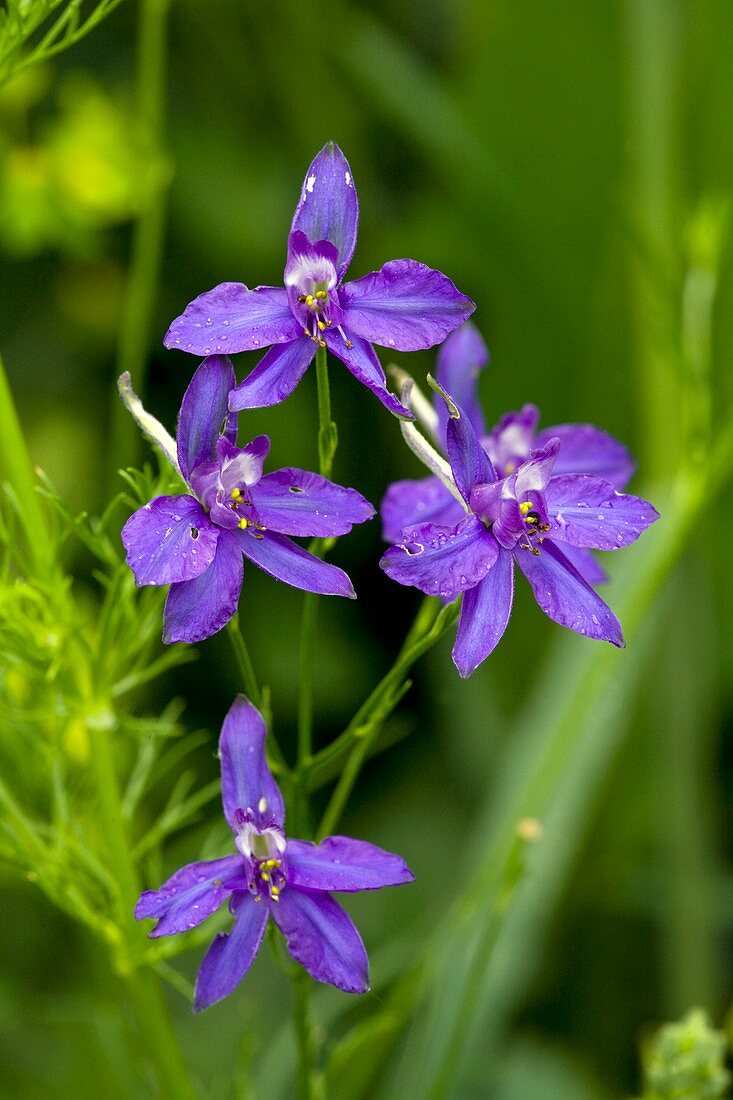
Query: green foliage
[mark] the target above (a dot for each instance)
(686, 1061)
(35, 30)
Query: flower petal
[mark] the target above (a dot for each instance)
(485, 612)
(460, 359)
(286, 561)
(361, 360)
(297, 502)
(245, 777)
(585, 449)
(203, 412)
(535, 472)
(275, 376)
(328, 208)
(231, 954)
(242, 466)
(587, 511)
(425, 501)
(196, 609)
(405, 305)
(589, 568)
(342, 864)
(565, 597)
(191, 895)
(469, 461)
(169, 539)
(512, 439)
(442, 561)
(231, 318)
(323, 939)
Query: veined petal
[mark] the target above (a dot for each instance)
(203, 412)
(425, 501)
(242, 465)
(469, 461)
(286, 561)
(275, 376)
(168, 540)
(197, 609)
(361, 360)
(231, 318)
(341, 864)
(585, 449)
(322, 938)
(191, 895)
(297, 502)
(442, 561)
(310, 265)
(485, 612)
(231, 954)
(246, 781)
(589, 568)
(328, 208)
(565, 597)
(534, 474)
(510, 442)
(460, 360)
(405, 305)
(587, 511)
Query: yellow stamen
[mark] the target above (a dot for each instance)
(236, 494)
(509, 468)
(275, 893)
(320, 294)
(309, 299)
(321, 325)
(525, 506)
(243, 523)
(265, 877)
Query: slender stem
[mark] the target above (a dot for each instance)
(430, 624)
(17, 469)
(252, 691)
(327, 434)
(304, 1034)
(147, 240)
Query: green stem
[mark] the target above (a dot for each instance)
(305, 695)
(327, 433)
(304, 1035)
(431, 622)
(16, 468)
(147, 240)
(251, 689)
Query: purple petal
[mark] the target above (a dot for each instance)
(425, 501)
(460, 360)
(328, 208)
(231, 955)
(587, 511)
(196, 609)
(469, 461)
(288, 562)
(485, 612)
(310, 262)
(534, 474)
(191, 895)
(242, 466)
(322, 938)
(203, 411)
(245, 777)
(442, 561)
(275, 376)
(231, 318)
(168, 540)
(565, 597)
(297, 502)
(361, 360)
(512, 439)
(342, 864)
(585, 449)
(405, 305)
(589, 568)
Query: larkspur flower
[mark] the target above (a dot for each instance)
(585, 449)
(270, 876)
(405, 306)
(196, 543)
(527, 517)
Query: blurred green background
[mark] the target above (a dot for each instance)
(564, 163)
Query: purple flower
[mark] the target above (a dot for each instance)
(584, 449)
(530, 516)
(196, 543)
(404, 306)
(270, 876)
